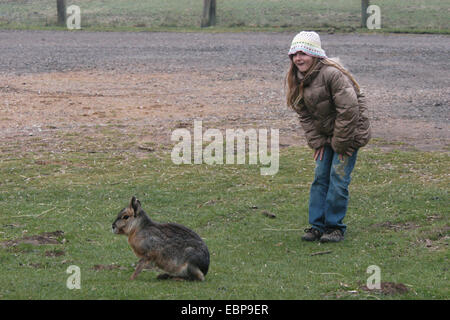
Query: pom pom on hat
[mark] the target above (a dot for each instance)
(309, 43)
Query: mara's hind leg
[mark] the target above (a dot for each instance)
(172, 271)
(185, 272)
(164, 276)
(194, 273)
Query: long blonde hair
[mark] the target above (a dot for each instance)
(294, 85)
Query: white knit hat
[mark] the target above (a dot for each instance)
(309, 43)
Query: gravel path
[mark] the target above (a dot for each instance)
(405, 77)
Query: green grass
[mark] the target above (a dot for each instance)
(232, 15)
(397, 219)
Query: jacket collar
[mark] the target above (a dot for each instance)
(310, 77)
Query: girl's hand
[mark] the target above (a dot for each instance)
(349, 153)
(318, 153)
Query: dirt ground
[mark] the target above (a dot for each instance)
(144, 85)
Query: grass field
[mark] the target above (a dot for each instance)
(397, 220)
(232, 15)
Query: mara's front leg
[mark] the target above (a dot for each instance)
(140, 266)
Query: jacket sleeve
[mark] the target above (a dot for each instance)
(347, 111)
(315, 139)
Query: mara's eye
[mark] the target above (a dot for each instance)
(125, 217)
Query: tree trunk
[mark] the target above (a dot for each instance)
(364, 5)
(209, 13)
(61, 8)
(212, 13)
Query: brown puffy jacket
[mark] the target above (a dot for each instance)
(332, 111)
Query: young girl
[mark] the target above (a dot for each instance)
(333, 114)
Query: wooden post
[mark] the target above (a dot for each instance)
(364, 5)
(209, 13)
(61, 8)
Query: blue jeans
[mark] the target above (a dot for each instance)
(328, 199)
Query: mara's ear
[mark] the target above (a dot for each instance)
(135, 205)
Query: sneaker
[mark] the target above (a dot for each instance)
(335, 235)
(311, 234)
